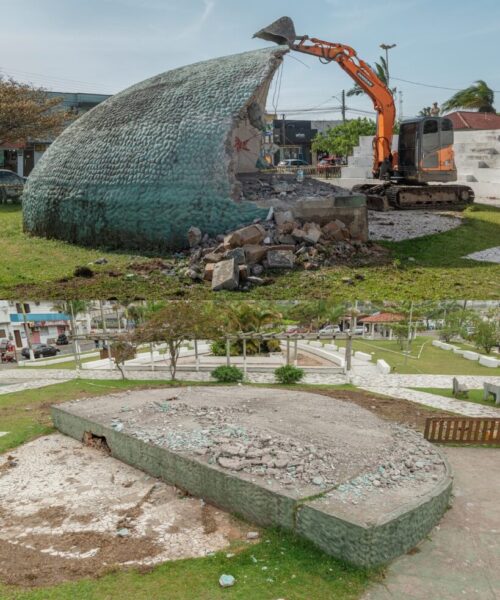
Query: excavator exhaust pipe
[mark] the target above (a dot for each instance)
(281, 32)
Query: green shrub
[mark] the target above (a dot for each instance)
(288, 374)
(227, 374)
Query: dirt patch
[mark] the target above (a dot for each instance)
(27, 564)
(96, 441)
(105, 515)
(390, 409)
(306, 360)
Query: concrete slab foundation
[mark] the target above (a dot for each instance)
(362, 489)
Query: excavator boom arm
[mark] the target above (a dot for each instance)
(368, 81)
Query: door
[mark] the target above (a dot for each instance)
(17, 337)
(431, 144)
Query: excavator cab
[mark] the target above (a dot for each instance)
(425, 150)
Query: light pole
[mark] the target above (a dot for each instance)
(387, 47)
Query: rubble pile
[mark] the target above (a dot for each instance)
(244, 257)
(219, 437)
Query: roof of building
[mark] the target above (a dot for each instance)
(383, 317)
(463, 119)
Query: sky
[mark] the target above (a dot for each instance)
(103, 46)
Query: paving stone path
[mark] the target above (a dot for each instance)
(9, 388)
(396, 385)
(491, 255)
(468, 409)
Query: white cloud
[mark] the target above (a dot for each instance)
(197, 24)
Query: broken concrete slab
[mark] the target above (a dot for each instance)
(226, 275)
(369, 506)
(351, 209)
(280, 259)
(254, 253)
(253, 234)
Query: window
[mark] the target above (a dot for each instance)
(431, 126)
(446, 125)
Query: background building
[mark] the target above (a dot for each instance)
(22, 157)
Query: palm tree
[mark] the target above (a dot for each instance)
(381, 71)
(477, 96)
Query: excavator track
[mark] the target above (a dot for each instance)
(388, 196)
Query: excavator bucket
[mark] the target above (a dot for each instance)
(281, 32)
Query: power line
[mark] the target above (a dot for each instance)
(438, 87)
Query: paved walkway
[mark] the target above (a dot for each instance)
(8, 387)
(461, 557)
(468, 409)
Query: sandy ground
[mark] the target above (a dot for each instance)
(398, 225)
(68, 511)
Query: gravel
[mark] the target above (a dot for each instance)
(491, 255)
(401, 225)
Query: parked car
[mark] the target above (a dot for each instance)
(358, 330)
(11, 187)
(62, 340)
(293, 162)
(40, 350)
(329, 329)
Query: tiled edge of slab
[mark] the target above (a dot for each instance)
(356, 543)
(254, 503)
(380, 542)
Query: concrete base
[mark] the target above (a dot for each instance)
(348, 533)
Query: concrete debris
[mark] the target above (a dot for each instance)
(253, 535)
(194, 236)
(290, 238)
(219, 440)
(226, 275)
(226, 580)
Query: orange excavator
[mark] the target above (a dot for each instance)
(425, 145)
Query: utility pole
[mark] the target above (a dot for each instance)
(76, 347)
(343, 106)
(283, 135)
(400, 93)
(27, 332)
(348, 352)
(387, 47)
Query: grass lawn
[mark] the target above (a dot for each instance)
(433, 361)
(295, 569)
(472, 396)
(427, 268)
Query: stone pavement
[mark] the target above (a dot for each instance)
(468, 409)
(491, 255)
(8, 387)
(461, 557)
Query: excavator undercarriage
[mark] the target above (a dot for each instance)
(390, 196)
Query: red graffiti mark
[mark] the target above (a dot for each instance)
(240, 145)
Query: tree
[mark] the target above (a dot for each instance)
(477, 96)
(251, 318)
(341, 140)
(123, 349)
(177, 322)
(381, 71)
(26, 112)
(486, 333)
